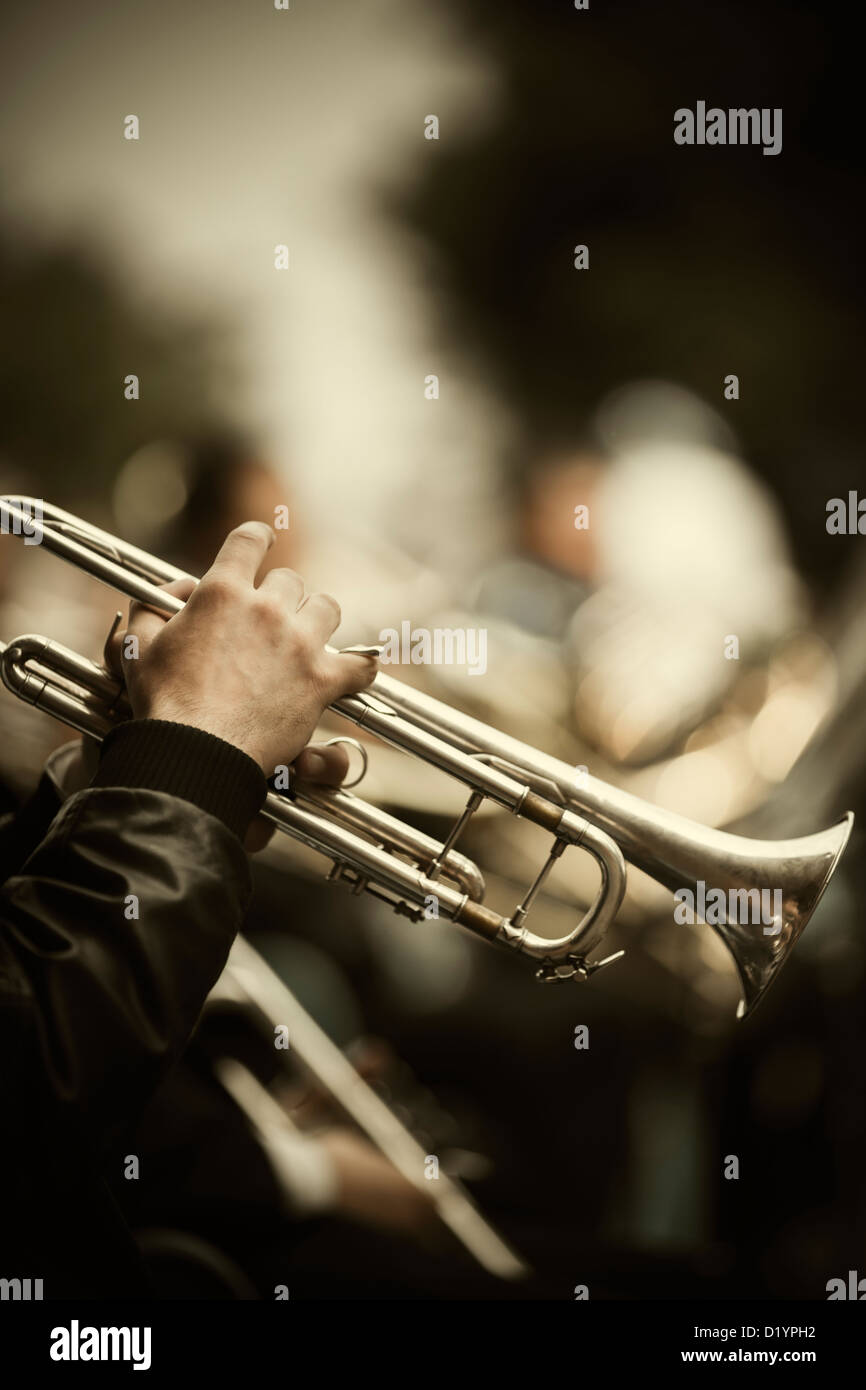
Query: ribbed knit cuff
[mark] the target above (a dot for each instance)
(159, 756)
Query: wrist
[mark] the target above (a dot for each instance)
(207, 722)
(187, 762)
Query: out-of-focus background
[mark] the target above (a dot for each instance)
(454, 504)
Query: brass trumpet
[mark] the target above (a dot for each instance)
(415, 874)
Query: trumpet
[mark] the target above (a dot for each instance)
(416, 875)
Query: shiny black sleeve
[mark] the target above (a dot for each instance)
(115, 927)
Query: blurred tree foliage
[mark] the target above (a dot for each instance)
(703, 261)
(72, 330)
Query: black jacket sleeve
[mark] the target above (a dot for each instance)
(115, 927)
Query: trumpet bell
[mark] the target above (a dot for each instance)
(796, 870)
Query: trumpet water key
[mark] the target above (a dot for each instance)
(376, 853)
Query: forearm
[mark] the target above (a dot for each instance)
(118, 924)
